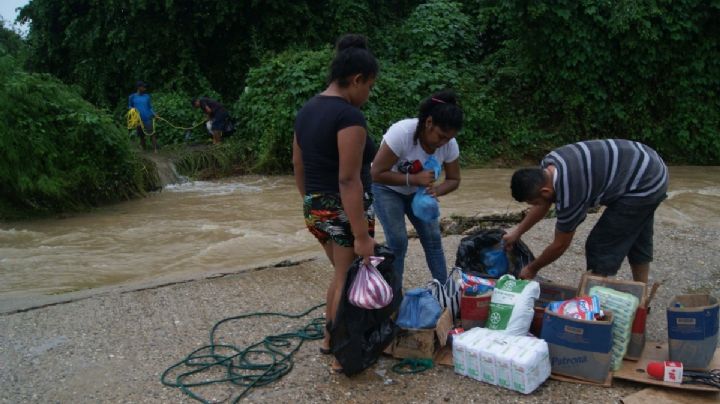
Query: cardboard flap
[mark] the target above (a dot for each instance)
(444, 325)
(658, 352)
(550, 291)
(692, 302)
(665, 396)
(637, 289)
(653, 290)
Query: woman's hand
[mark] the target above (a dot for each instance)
(430, 190)
(364, 247)
(423, 178)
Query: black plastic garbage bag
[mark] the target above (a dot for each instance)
(472, 248)
(358, 336)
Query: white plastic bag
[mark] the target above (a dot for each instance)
(369, 289)
(512, 305)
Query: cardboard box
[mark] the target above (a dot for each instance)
(579, 348)
(693, 329)
(549, 292)
(658, 352)
(422, 343)
(474, 310)
(637, 289)
(658, 395)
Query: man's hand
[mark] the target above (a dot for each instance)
(527, 273)
(510, 239)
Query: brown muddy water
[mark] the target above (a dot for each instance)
(200, 228)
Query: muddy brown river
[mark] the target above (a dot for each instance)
(200, 228)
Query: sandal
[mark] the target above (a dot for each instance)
(325, 351)
(336, 371)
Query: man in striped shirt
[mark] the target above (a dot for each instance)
(627, 177)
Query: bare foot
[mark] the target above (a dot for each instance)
(325, 346)
(336, 367)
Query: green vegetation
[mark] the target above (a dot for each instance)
(647, 70)
(184, 45)
(228, 158)
(274, 93)
(531, 76)
(57, 151)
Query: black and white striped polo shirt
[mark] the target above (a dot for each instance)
(600, 172)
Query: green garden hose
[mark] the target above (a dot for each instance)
(410, 366)
(238, 366)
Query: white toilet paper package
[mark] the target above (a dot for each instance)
(623, 306)
(512, 305)
(514, 362)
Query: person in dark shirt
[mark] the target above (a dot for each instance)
(332, 153)
(218, 116)
(627, 177)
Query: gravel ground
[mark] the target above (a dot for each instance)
(113, 346)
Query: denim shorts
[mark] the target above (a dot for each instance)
(623, 230)
(326, 219)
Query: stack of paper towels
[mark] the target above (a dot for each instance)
(515, 362)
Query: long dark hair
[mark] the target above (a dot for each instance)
(352, 56)
(444, 110)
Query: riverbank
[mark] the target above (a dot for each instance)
(114, 345)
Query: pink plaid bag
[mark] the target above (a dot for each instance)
(369, 289)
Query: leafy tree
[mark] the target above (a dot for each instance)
(183, 45)
(57, 151)
(647, 70)
(12, 43)
(275, 91)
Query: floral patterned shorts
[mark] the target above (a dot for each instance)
(326, 219)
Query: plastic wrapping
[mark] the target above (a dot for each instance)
(424, 205)
(482, 254)
(623, 306)
(517, 363)
(369, 290)
(358, 336)
(474, 285)
(583, 308)
(419, 309)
